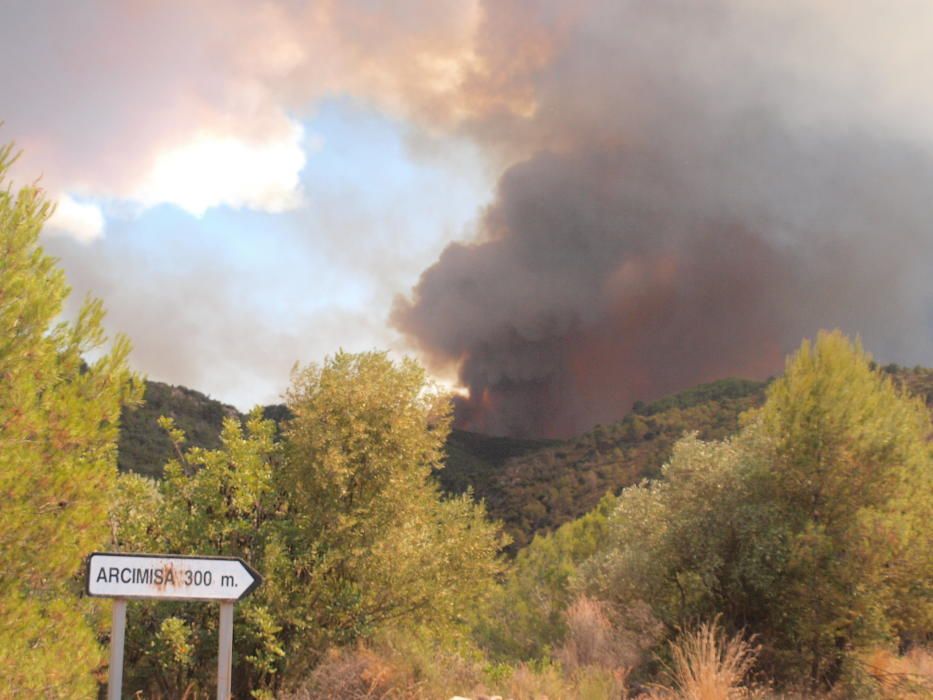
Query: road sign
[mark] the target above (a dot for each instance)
(169, 577)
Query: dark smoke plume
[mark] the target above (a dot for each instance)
(689, 205)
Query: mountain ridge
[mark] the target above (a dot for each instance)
(531, 485)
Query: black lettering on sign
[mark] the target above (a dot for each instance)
(146, 576)
(196, 577)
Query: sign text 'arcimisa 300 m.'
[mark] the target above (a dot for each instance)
(166, 576)
(170, 577)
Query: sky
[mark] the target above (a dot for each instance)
(558, 207)
(242, 193)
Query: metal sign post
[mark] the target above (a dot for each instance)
(170, 577)
(225, 651)
(117, 636)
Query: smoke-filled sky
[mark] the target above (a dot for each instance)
(562, 207)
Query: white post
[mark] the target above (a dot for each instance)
(117, 635)
(225, 651)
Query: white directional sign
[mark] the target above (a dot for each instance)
(169, 576)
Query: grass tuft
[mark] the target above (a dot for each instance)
(708, 665)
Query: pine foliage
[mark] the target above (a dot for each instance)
(59, 419)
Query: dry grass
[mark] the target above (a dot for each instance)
(391, 669)
(554, 683)
(354, 674)
(383, 674)
(909, 676)
(706, 665)
(594, 639)
(527, 683)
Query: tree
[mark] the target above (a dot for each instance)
(339, 513)
(851, 476)
(806, 528)
(696, 542)
(372, 543)
(58, 428)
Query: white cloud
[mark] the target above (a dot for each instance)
(212, 170)
(83, 221)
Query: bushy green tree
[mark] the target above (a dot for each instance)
(807, 528)
(372, 542)
(340, 516)
(851, 478)
(696, 542)
(58, 428)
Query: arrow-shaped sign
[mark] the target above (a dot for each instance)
(169, 577)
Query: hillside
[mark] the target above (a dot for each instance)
(476, 461)
(543, 488)
(531, 485)
(144, 448)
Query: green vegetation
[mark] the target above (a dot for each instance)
(807, 528)
(58, 432)
(475, 462)
(850, 479)
(341, 516)
(145, 448)
(704, 527)
(718, 392)
(526, 618)
(542, 489)
(530, 485)
(211, 502)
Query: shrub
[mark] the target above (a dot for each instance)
(900, 677)
(706, 665)
(601, 637)
(354, 674)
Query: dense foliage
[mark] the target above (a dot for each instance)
(542, 489)
(526, 619)
(58, 431)
(340, 515)
(808, 528)
(721, 531)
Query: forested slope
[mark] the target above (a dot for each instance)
(543, 489)
(144, 447)
(531, 485)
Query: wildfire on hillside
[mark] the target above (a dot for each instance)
(686, 203)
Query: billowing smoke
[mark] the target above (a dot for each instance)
(693, 188)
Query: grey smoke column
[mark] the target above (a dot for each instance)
(691, 203)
